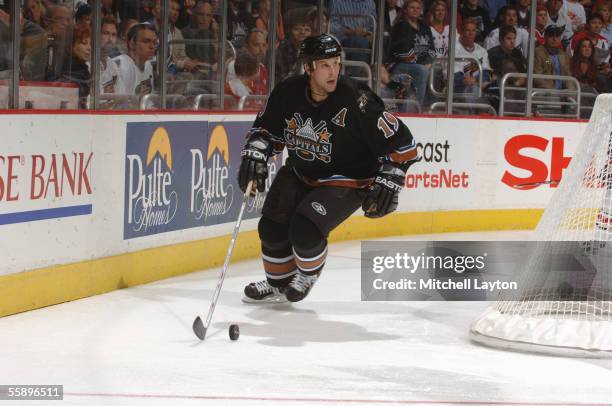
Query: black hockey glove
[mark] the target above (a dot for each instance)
(383, 194)
(254, 165)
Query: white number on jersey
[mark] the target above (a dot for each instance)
(388, 124)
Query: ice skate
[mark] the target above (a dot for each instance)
(299, 287)
(263, 292)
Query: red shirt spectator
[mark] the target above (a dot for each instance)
(602, 47)
(247, 70)
(582, 65)
(541, 20)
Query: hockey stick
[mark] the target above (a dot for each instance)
(200, 328)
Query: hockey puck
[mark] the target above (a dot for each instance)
(234, 332)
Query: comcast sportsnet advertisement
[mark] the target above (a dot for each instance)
(487, 164)
(445, 174)
(181, 175)
(532, 163)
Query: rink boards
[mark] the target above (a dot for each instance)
(95, 202)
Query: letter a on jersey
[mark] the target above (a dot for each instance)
(339, 118)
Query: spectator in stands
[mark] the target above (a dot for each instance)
(108, 50)
(292, 4)
(606, 13)
(186, 14)
(351, 24)
(145, 10)
(124, 28)
(508, 17)
(256, 44)
(45, 3)
(583, 67)
(203, 27)
(412, 47)
(260, 10)
(58, 19)
(315, 21)
(541, 21)
(471, 9)
(239, 22)
(468, 73)
(109, 74)
(600, 43)
(6, 67)
(33, 48)
(262, 18)
(299, 26)
(587, 4)
(439, 26)
(246, 67)
(550, 59)
(397, 87)
(506, 58)
(576, 14)
(178, 58)
(393, 12)
(130, 10)
(33, 10)
(559, 19)
(494, 7)
(110, 9)
(135, 68)
(109, 37)
(58, 23)
(522, 13)
(82, 16)
(76, 68)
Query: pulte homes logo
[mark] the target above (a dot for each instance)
(181, 175)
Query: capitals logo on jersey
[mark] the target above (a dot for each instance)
(307, 140)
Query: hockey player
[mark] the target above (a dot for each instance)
(345, 152)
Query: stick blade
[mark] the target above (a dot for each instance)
(199, 329)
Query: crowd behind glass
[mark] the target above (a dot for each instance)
(228, 55)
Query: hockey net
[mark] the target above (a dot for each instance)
(560, 312)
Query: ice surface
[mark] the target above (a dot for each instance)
(135, 347)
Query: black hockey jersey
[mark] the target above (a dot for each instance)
(341, 141)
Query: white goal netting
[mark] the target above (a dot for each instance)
(564, 302)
